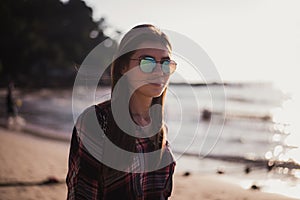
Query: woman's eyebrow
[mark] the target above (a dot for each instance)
(165, 58)
(146, 55)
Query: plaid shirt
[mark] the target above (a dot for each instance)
(87, 178)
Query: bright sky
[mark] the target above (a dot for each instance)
(246, 39)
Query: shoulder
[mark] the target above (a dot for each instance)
(104, 105)
(95, 109)
(93, 116)
(103, 108)
(90, 130)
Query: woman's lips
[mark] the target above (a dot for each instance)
(157, 84)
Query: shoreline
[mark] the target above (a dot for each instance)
(273, 182)
(28, 158)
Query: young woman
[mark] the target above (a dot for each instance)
(119, 148)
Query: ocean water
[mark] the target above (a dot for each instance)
(248, 122)
(241, 122)
(247, 125)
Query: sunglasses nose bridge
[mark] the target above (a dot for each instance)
(158, 67)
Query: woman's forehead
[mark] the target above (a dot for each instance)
(152, 48)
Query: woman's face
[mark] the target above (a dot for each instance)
(150, 84)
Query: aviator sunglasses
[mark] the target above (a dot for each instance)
(148, 64)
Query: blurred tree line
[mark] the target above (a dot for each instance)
(43, 40)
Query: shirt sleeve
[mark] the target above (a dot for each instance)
(169, 183)
(83, 173)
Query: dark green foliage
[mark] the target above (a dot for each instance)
(42, 41)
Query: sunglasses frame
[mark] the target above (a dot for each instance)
(151, 58)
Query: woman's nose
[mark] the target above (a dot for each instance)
(158, 70)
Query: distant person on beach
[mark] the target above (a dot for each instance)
(119, 148)
(11, 107)
(14, 121)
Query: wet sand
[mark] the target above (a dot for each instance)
(30, 159)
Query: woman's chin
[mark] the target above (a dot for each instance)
(156, 90)
(152, 89)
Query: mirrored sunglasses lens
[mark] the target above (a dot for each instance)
(166, 67)
(147, 65)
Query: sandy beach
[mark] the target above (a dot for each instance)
(27, 161)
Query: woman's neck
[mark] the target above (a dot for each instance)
(139, 106)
